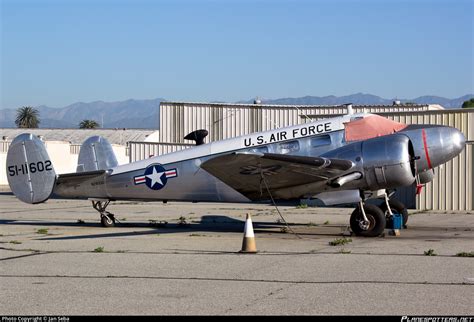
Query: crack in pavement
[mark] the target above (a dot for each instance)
(218, 252)
(176, 278)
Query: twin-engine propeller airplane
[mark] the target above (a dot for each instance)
(346, 159)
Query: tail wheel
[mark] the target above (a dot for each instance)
(374, 227)
(398, 207)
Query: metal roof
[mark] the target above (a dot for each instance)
(77, 136)
(216, 104)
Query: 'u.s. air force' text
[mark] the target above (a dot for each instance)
(289, 134)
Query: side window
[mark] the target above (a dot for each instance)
(320, 141)
(262, 149)
(288, 147)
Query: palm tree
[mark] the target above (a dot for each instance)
(88, 124)
(27, 117)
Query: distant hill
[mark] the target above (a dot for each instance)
(125, 114)
(144, 114)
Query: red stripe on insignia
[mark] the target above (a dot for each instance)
(423, 134)
(171, 173)
(140, 179)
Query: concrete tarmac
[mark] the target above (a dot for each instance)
(56, 259)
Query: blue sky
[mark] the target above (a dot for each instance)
(60, 52)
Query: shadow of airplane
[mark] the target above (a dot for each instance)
(208, 223)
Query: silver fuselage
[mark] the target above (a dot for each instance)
(431, 145)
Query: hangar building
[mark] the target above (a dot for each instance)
(451, 189)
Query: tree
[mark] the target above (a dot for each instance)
(27, 117)
(468, 104)
(88, 124)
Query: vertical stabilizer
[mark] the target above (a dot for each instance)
(30, 173)
(96, 154)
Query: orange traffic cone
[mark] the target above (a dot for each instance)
(248, 244)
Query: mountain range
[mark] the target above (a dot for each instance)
(145, 113)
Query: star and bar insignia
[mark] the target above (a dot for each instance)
(155, 176)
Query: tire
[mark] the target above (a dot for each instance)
(376, 219)
(107, 221)
(395, 206)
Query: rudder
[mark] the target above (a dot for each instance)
(30, 173)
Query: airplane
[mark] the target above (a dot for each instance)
(346, 159)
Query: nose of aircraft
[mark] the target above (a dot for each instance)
(443, 143)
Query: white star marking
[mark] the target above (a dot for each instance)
(155, 177)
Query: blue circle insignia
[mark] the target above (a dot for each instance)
(155, 177)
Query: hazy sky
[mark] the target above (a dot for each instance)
(60, 52)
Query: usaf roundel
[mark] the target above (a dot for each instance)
(155, 176)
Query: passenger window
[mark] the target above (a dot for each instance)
(288, 147)
(320, 140)
(262, 149)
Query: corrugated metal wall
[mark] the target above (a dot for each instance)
(451, 189)
(230, 120)
(144, 150)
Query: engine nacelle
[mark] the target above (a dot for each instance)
(388, 162)
(384, 162)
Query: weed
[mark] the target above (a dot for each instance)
(344, 251)
(197, 235)
(430, 252)
(155, 223)
(302, 206)
(311, 224)
(16, 242)
(123, 219)
(326, 222)
(43, 231)
(182, 221)
(99, 250)
(465, 254)
(340, 241)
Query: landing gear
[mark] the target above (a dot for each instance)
(107, 219)
(367, 220)
(395, 206)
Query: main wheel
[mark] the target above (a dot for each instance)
(107, 220)
(376, 223)
(398, 207)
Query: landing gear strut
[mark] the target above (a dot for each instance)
(107, 219)
(395, 206)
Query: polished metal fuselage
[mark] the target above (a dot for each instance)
(429, 145)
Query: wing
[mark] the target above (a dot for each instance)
(244, 171)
